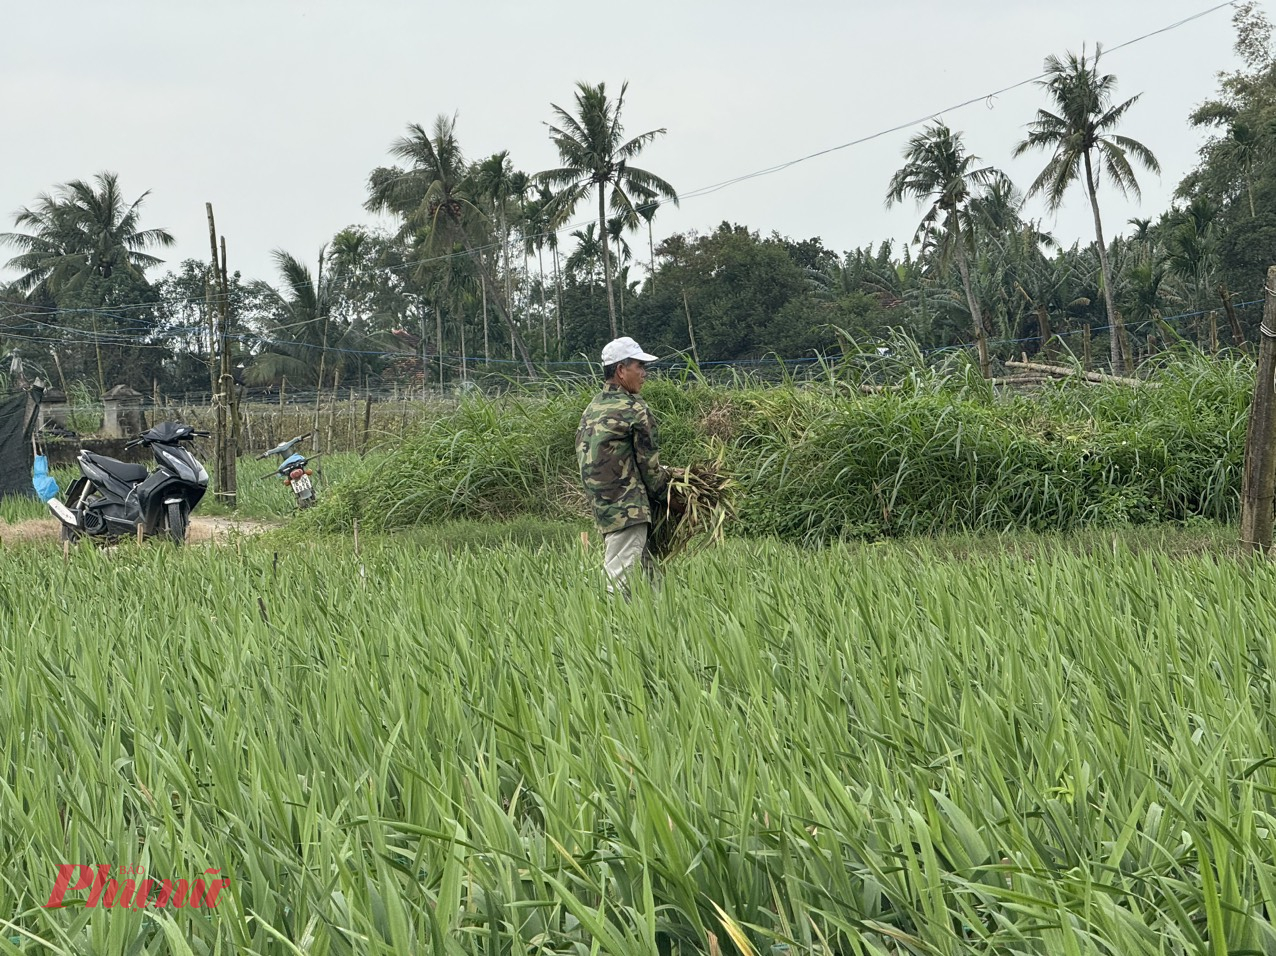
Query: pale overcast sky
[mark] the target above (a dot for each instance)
(277, 110)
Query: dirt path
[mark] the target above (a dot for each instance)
(202, 530)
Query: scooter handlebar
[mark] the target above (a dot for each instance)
(191, 436)
(279, 473)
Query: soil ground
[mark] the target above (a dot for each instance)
(202, 530)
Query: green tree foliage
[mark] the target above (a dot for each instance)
(82, 261)
(308, 336)
(184, 325)
(471, 239)
(748, 296)
(1236, 175)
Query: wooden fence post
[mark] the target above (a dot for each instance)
(1259, 476)
(367, 423)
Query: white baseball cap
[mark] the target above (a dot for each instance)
(623, 348)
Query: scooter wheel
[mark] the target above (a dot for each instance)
(68, 534)
(177, 522)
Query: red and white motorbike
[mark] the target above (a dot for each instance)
(295, 471)
(297, 474)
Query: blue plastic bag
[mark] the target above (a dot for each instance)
(46, 486)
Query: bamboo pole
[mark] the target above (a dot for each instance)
(1259, 476)
(1062, 370)
(691, 332)
(225, 462)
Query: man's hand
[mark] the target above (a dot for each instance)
(676, 502)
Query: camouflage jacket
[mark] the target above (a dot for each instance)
(619, 457)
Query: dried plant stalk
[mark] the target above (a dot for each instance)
(699, 504)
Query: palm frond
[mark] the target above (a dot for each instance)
(1118, 168)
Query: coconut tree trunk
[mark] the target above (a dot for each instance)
(97, 348)
(486, 279)
(1238, 334)
(425, 344)
(540, 264)
(509, 281)
(464, 362)
(651, 250)
(621, 275)
(487, 355)
(509, 275)
(602, 233)
(323, 357)
(1043, 326)
(1116, 328)
(558, 299)
(976, 316)
(438, 339)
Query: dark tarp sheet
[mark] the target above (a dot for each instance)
(19, 414)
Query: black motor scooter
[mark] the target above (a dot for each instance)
(113, 498)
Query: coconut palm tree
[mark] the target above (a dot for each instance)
(307, 339)
(587, 258)
(448, 282)
(1045, 284)
(939, 171)
(540, 222)
(435, 196)
(1191, 255)
(1081, 137)
(616, 227)
(84, 231)
(500, 187)
(1143, 294)
(83, 248)
(1191, 250)
(647, 212)
(596, 157)
(537, 231)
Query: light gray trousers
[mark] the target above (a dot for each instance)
(623, 550)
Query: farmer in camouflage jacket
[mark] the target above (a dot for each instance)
(618, 452)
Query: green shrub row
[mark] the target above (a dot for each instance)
(823, 461)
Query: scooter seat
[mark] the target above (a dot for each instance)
(123, 470)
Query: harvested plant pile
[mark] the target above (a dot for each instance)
(700, 505)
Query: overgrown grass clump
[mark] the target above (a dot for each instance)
(821, 461)
(869, 749)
